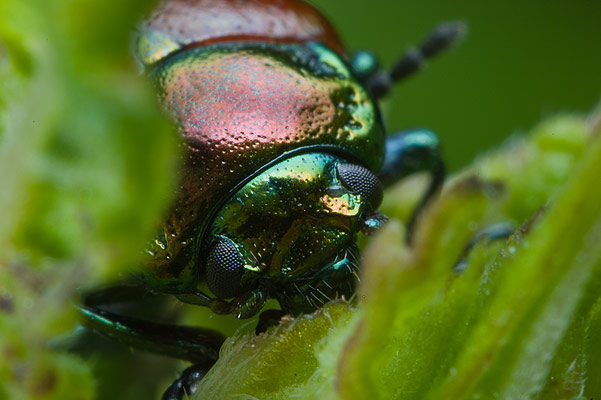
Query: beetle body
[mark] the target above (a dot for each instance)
(244, 104)
(284, 162)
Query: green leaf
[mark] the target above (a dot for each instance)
(87, 166)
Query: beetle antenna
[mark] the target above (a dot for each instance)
(439, 40)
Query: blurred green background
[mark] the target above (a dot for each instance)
(521, 61)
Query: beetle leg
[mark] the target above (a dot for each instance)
(188, 343)
(379, 81)
(199, 298)
(501, 230)
(409, 152)
(187, 383)
(123, 292)
(130, 292)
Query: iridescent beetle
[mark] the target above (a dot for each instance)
(285, 162)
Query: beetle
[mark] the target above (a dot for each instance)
(285, 161)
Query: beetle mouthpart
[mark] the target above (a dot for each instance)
(249, 304)
(373, 222)
(337, 279)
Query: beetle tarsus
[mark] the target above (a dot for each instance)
(500, 230)
(187, 383)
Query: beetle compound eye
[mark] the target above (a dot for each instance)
(224, 269)
(360, 180)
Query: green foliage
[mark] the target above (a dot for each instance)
(86, 161)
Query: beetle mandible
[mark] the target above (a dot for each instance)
(285, 161)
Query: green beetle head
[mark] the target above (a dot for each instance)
(288, 227)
